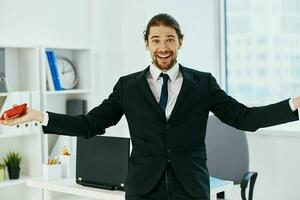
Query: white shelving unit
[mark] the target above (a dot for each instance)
(26, 72)
(77, 91)
(21, 180)
(22, 76)
(55, 101)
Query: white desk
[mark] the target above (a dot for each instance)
(69, 186)
(219, 185)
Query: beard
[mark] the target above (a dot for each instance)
(164, 63)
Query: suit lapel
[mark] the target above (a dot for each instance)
(146, 90)
(186, 85)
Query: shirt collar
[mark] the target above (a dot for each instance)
(172, 72)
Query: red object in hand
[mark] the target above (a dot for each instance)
(15, 111)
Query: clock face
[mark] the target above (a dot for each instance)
(67, 73)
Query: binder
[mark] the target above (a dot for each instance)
(50, 81)
(53, 68)
(3, 87)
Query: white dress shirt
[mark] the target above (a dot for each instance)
(174, 85)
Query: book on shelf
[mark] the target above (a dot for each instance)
(50, 81)
(52, 74)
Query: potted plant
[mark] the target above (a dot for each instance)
(2, 171)
(12, 161)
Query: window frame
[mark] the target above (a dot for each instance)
(285, 130)
(222, 44)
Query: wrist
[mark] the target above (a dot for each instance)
(40, 117)
(296, 102)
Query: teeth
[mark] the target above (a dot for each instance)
(163, 56)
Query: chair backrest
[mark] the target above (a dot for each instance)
(227, 151)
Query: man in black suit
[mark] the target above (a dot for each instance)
(166, 106)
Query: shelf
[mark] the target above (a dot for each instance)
(4, 94)
(76, 48)
(76, 91)
(21, 180)
(9, 45)
(10, 135)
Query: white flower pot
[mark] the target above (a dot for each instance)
(65, 165)
(52, 172)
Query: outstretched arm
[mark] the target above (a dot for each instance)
(108, 113)
(236, 114)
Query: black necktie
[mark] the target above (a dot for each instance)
(164, 92)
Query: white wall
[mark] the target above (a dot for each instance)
(44, 22)
(117, 38)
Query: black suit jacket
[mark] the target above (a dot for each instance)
(179, 140)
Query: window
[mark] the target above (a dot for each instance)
(263, 50)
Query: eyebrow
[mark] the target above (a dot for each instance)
(172, 36)
(156, 36)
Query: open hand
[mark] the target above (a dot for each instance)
(30, 115)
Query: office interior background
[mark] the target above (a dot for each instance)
(251, 47)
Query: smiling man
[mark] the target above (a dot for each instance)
(163, 42)
(166, 106)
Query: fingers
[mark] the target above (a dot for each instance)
(11, 121)
(7, 122)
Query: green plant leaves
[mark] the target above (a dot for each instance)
(12, 159)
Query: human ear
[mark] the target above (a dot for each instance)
(180, 43)
(146, 44)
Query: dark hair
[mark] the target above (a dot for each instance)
(163, 19)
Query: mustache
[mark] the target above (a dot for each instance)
(163, 52)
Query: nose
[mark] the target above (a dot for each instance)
(163, 46)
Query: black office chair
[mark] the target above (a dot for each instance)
(228, 156)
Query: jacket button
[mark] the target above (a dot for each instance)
(168, 150)
(169, 160)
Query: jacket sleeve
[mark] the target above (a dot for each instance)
(235, 114)
(107, 114)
